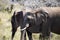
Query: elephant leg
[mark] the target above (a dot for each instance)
(45, 35)
(13, 32)
(46, 29)
(29, 35)
(42, 37)
(23, 35)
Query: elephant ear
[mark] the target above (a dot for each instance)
(17, 17)
(44, 16)
(13, 17)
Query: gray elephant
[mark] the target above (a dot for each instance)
(44, 21)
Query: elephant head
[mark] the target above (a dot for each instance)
(36, 18)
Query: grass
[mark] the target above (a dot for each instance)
(5, 29)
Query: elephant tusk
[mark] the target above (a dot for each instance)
(27, 25)
(30, 17)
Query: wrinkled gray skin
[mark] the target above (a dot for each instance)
(39, 22)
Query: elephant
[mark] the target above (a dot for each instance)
(18, 20)
(43, 20)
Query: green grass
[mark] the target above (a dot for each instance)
(5, 29)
